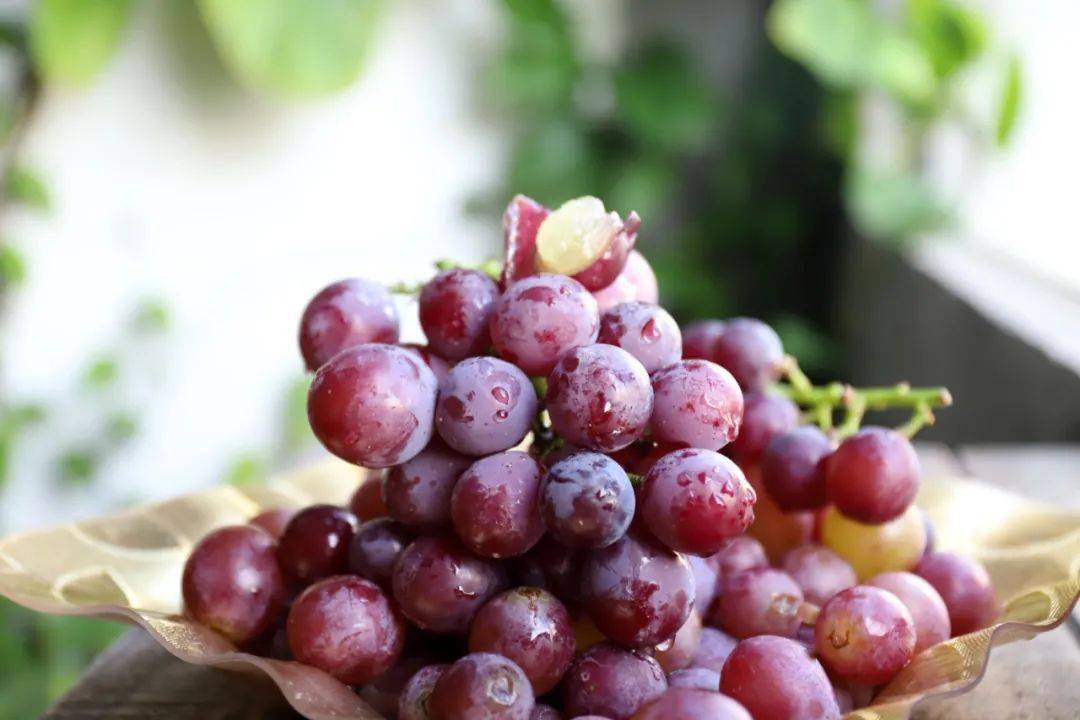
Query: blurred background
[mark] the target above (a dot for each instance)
(890, 183)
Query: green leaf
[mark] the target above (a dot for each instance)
(538, 69)
(77, 466)
(23, 185)
(72, 40)
(1011, 100)
(644, 184)
(664, 100)
(246, 469)
(899, 65)
(101, 373)
(121, 426)
(12, 266)
(951, 34)
(893, 205)
(293, 48)
(151, 316)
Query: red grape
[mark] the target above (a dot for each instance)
(586, 500)
(697, 404)
(439, 366)
(482, 686)
(714, 646)
(417, 492)
(540, 318)
(705, 581)
(552, 566)
(637, 282)
(373, 405)
(681, 703)
(694, 500)
(545, 712)
(494, 505)
(695, 677)
(274, 520)
(413, 703)
(375, 548)
(455, 308)
(607, 268)
(345, 626)
(584, 240)
(751, 351)
(638, 592)
(760, 601)
(440, 586)
(611, 682)
(865, 635)
(315, 543)
(679, 651)
(699, 338)
(232, 584)
(793, 468)
(485, 405)
(531, 627)
(384, 692)
(819, 571)
(739, 553)
(645, 331)
(345, 314)
(599, 397)
(367, 502)
(923, 602)
(521, 221)
(873, 476)
(764, 417)
(965, 587)
(776, 679)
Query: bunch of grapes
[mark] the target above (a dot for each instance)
(582, 511)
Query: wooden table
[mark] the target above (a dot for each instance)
(1037, 680)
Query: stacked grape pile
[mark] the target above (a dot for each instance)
(560, 530)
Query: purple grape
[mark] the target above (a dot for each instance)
(696, 404)
(599, 397)
(531, 627)
(637, 282)
(367, 502)
(965, 587)
(873, 476)
(440, 586)
(315, 543)
(638, 592)
(694, 500)
(494, 505)
(413, 703)
(865, 635)
(765, 416)
(545, 712)
(679, 651)
(417, 492)
(645, 331)
(455, 309)
(761, 601)
(699, 339)
(343, 315)
(611, 682)
(705, 581)
(482, 686)
(776, 679)
(383, 693)
(540, 318)
(346, 627)
(485, 405)
(714, 646)
(375, 548)
(439, 366)
(373, 405)
(232, 584)
(927, 609)
(793, 468)
(587, 501)
(695, 677)
(751, 351)
(552, 566)
(738, 554)
(274, 520)
(819, 571)
(681, 703)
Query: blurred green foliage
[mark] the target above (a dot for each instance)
(71, 40)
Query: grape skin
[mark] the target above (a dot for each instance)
(345, 626)
(232, 584)
(608, 681)
(874, 549)
(599, 397)
(648, 332)
(540, 318)
(865, 635)
(751, 351)
(637, 282)
(373, 405)
(760, 601)
(696, 404)
(820, 572)
(873, 476)
(699, 338)
(545, 712)
(274, 520)
(494, 505)
(775, 678)
(607, 268)
(694, 500)
(714, 647)
(739, 553)
(455, 309)
(439, 366)
(367, 501)
(695, 677)
(927, 609)
(551, 566)
(440, 586)
(678, 653)
(482, 686)
(793, 468)
(413, 703)
(765, 416)
(485, 405)
(344, 314)
(682, 703)
(315, 543)
(587, 501)
(417, 492)
(521, 221)
(375, 548)
(965, 587)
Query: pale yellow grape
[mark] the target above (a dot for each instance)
(572, 237)
(873, 549)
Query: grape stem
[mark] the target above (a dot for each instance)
(822, 400)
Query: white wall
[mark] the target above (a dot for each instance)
(234, 209)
